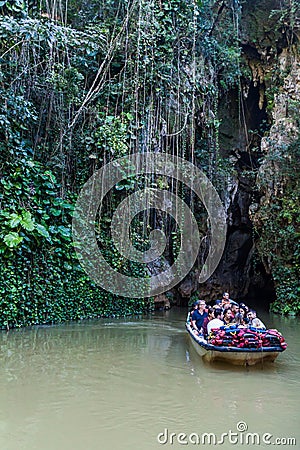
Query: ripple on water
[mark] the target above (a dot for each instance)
(120, 383)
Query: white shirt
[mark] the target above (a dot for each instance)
(257, 323)
(214, 323)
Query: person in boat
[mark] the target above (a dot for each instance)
(239, 320)
(240, 317)
(255, 321)
(225, 302)
(193, 308)
(198, 317)
(228, 317)
(244, 307)
(234, 308)
(216, 322)
(217, 304)
(210, 316)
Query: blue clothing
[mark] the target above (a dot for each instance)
(199, 318)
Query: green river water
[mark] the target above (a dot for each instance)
(130, 383)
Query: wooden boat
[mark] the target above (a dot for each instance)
(233, 355)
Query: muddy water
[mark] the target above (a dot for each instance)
(130, 384)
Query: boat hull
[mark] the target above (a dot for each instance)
(232, 355)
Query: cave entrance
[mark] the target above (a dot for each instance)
(261, 292)
(256, 116)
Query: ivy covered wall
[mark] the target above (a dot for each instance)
(83, 83)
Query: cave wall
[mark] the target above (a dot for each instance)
(249, 123)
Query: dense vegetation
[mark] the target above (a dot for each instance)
(83, 83)
(278, 225)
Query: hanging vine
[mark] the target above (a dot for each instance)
(84, 83)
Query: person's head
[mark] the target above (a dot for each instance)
(234, 308)
(239, 319)
(227, 314)
(251, 314)
(225, 299)
(210, 312)
(201, 305)
(226, 306)
(218, 313)
(193, 306)
(241, 311)
(245, 307)
(218, 304)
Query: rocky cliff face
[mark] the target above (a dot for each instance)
(257, 120)
(268, 125)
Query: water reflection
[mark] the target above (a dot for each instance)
(103, 384)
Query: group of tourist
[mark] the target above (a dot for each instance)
(204, 318)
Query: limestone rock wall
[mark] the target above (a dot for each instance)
(257, 120)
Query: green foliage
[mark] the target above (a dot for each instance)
(44, 292)
(111, 134)
(80, 87)
(16, 7)
(278, 227)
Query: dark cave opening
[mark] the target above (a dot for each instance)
(241, 271)
(256, 116)
(244, 122)
(261, 291)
